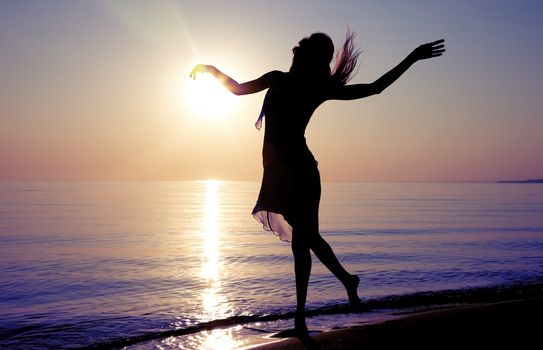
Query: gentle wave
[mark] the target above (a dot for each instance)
(422, 299)
(392, 302)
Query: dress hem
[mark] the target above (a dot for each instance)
(275, 223)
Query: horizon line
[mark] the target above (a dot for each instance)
(258, 180)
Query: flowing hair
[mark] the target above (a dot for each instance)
(346, 60)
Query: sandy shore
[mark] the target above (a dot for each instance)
(506, 325)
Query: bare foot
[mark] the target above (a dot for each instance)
(352, 291)
(308, 342)
(300, 329)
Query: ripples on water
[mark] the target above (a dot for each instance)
(87, 263)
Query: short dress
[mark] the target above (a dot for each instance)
(290, 191)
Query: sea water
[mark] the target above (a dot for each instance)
(171, 264)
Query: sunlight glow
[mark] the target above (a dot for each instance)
(207, 97)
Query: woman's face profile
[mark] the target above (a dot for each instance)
(318, 46)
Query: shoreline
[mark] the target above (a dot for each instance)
(499, 325)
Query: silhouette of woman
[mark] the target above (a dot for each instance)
(288, 202)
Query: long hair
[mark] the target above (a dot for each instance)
(346, 60)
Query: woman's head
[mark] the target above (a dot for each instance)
(313, 55)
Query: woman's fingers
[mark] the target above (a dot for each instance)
(438, 46)
(199, 68)
(432, 49)
(193, 72)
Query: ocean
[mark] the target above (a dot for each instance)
(163, 265)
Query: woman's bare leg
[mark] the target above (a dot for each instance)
(326, 255)
(302, 270)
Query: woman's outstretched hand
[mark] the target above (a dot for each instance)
(429, 50)
(200, 68)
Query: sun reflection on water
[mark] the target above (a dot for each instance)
(210, 268)
(215, 304)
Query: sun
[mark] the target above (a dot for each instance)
(208, 98)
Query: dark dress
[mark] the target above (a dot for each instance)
(290, 191)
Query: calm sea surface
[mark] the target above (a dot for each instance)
(87, 264)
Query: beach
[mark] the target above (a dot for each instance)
(504, 325)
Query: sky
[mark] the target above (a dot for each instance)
(100, 90)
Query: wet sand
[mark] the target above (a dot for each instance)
(512, 324)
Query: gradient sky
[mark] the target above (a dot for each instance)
(96, 90)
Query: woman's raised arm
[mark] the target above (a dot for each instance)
(233, 86)
(355, 91)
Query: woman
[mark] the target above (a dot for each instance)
(289, 197)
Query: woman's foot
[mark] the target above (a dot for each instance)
(299, 323)
(308, 342)
(352, 291)
(300, 329)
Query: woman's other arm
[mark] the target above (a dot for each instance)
(356, 91)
